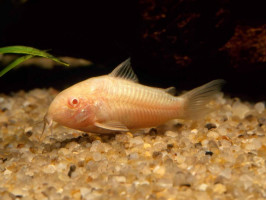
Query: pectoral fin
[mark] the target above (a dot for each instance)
(112, 125)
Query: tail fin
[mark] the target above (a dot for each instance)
(196, 99)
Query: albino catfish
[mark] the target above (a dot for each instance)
(117, 102)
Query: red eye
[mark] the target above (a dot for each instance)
(73, 102)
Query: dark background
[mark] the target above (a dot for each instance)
(172, 42)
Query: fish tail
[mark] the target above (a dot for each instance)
(195, 100)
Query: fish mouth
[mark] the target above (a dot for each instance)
(49, 122)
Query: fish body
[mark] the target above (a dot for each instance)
(117, 102)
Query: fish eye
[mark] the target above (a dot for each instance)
(74, 102)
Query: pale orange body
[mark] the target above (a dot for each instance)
(116, 102)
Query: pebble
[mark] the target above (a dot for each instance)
(160, 170)
(202, 196)
(85, 192)
(61, 167)
(180, 159)
(133, 156)
(253, 144)
(3, 119)
(120, 179)
(240, 109)
(219, 188)
(7, 172)
(49, 169)
(225, 144)
(147, 145)
(97, 156)
(96, 146)
(260, 107)
(194, 131)
(227, 173)
(171, 134)
(213, 134)
(222, 130)
(247, 180)
(204, 143)
(179, 179)
(38, 93)
(136, 140)
(203, 187)
(165, 183)
(64, 151)
(215, 169)
(159, 146)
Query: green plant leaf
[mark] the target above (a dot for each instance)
(14, 64)
(30, 51)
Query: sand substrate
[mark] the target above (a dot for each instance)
(221, 156)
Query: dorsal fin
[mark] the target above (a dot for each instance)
(125, 71)
(170, 90)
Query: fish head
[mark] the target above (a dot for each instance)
(71, 108)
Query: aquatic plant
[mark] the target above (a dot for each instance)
(27, 52)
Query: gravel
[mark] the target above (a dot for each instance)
(221, 156)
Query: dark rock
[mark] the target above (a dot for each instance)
(209, 153)
(249, 117)
(185, 185)
(153, 131)
(247, 47)
(210, 126)
(261, 121)
(178, 125)
(72, 169)
(198, 145)
(4, 109)
(29, 133)
(156, 154)
(169, 147)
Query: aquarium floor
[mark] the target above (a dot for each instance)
(221, 156)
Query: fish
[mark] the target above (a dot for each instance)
(117, 102)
